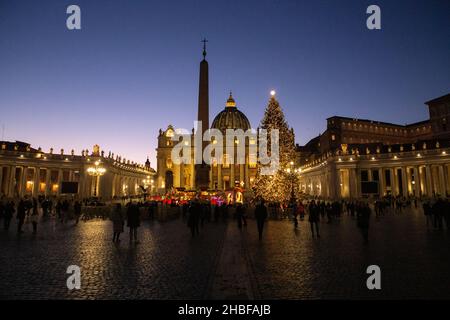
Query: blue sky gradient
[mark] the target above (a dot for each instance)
(133, 68)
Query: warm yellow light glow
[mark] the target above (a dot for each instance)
(272, 93)
(444, 153)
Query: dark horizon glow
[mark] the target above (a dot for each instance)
(134, 66)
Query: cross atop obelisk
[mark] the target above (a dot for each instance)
(204, 47)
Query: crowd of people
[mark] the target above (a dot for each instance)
(196, 212)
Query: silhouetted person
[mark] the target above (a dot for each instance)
(363, 218)
(21, 213)
(118, 222)
(34, 217)
(314, 218)
(261, 216)
(58, 208)
(151, 211)
(134, 220)
(427, 212)
(240, 211)
(194, 217)
(8, 214)
(77, 211)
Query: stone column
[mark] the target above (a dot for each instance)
(12, 178)
(211, 182)
(59, 181)
(47, 181)
(193, 174)
(247, 179)
(447, 177)
(232, 175)
(405, 181)
(353, 182)
(381, 182)
(429, 180)
(395, 189)
(219, 177)
(182, 175)
(416, 182)
(23, 182)
(358, 183)
(442, 188)
(241, 175)
(37, 172)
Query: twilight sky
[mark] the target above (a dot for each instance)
(133, 68)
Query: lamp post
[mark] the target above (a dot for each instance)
(96, 171)
(292, 173)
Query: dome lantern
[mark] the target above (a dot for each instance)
(230, 101)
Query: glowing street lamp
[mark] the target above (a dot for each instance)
(96, 171)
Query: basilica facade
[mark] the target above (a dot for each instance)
(223, 175)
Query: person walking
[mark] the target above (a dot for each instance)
(133, 220)
(77, 211)
(261, 216)
(34, 217)
(363, 218)
(314, 218)
(301, 210)
(428, 213)
(9, 212)
(118, 222)
(240, 215)
(194, 212)
(21, 214)
(58, 208)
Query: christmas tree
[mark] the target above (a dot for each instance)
(283, 184)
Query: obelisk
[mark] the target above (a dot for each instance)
(202, 170)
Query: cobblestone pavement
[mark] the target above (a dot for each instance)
(166, 264)
(414, 261)
(286, 264)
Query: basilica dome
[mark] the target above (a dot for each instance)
(230, 118)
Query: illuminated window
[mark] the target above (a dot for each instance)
(333, 137)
